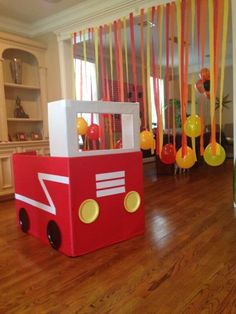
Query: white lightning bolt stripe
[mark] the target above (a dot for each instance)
(110, 175)
(48, 177)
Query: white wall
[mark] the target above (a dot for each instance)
(52, 61)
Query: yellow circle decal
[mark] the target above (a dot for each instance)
(132, 201)
(88, 211)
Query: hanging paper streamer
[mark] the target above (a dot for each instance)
(149, 71)
(143, 68)
(126, 55)
(218, 28)
(73, 65)
(96, 54)
(159, 26)
(117, 60)
(120, 60)
(167, 71)
(224, 41)
(172, 12)
(212, 89)
(133, 52)
(111, 58)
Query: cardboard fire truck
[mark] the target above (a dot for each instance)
(80, 200)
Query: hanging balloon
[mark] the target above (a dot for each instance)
(168, 154)
(206, 85)
(82, 126)
(118, 144)
(186, 161)
(207, 94)
(146, 140)
(192, 126)
(93, 132)
(199, 86)
(204, 74)
(218, 158)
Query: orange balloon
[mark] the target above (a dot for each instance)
(207, 94)
(217, 159)
(82, 126)
(204, 74)
(146, 140)
(186, 161)
(199, 86)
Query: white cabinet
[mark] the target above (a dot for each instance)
(21, 133)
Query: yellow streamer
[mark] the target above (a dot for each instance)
(126, 51)
(224, 39)
(111, 56)
(73, 69)
(85, 58)
(211, 39)
(96, 52)
(148, 70)
(178, 11)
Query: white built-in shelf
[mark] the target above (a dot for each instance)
(23, 120)
(22, 86)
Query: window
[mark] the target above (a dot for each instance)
(162, 102)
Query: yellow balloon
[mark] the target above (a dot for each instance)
(218, 158)
(82, 126)
(186, 161)
(146, 140)
(192, 126)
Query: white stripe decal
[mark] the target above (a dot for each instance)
(49, 177)
(110, 175)
(113, 191)
(110, 183)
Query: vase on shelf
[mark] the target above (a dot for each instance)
(16, 70)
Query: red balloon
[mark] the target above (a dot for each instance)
(199, 86)
(168, 154)
(204, 74)
(207, 94)
(118, 144)
(93, 132)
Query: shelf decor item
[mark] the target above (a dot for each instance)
(19, 110)
(16, 70)
(20, 136)
(36, 136)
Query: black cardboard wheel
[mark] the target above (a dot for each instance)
(24, 220)
(54, 235)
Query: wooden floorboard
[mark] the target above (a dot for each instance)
(185, 262)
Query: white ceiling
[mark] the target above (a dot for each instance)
(35, 17)
(31, 11)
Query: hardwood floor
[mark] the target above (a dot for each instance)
(185, 262)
